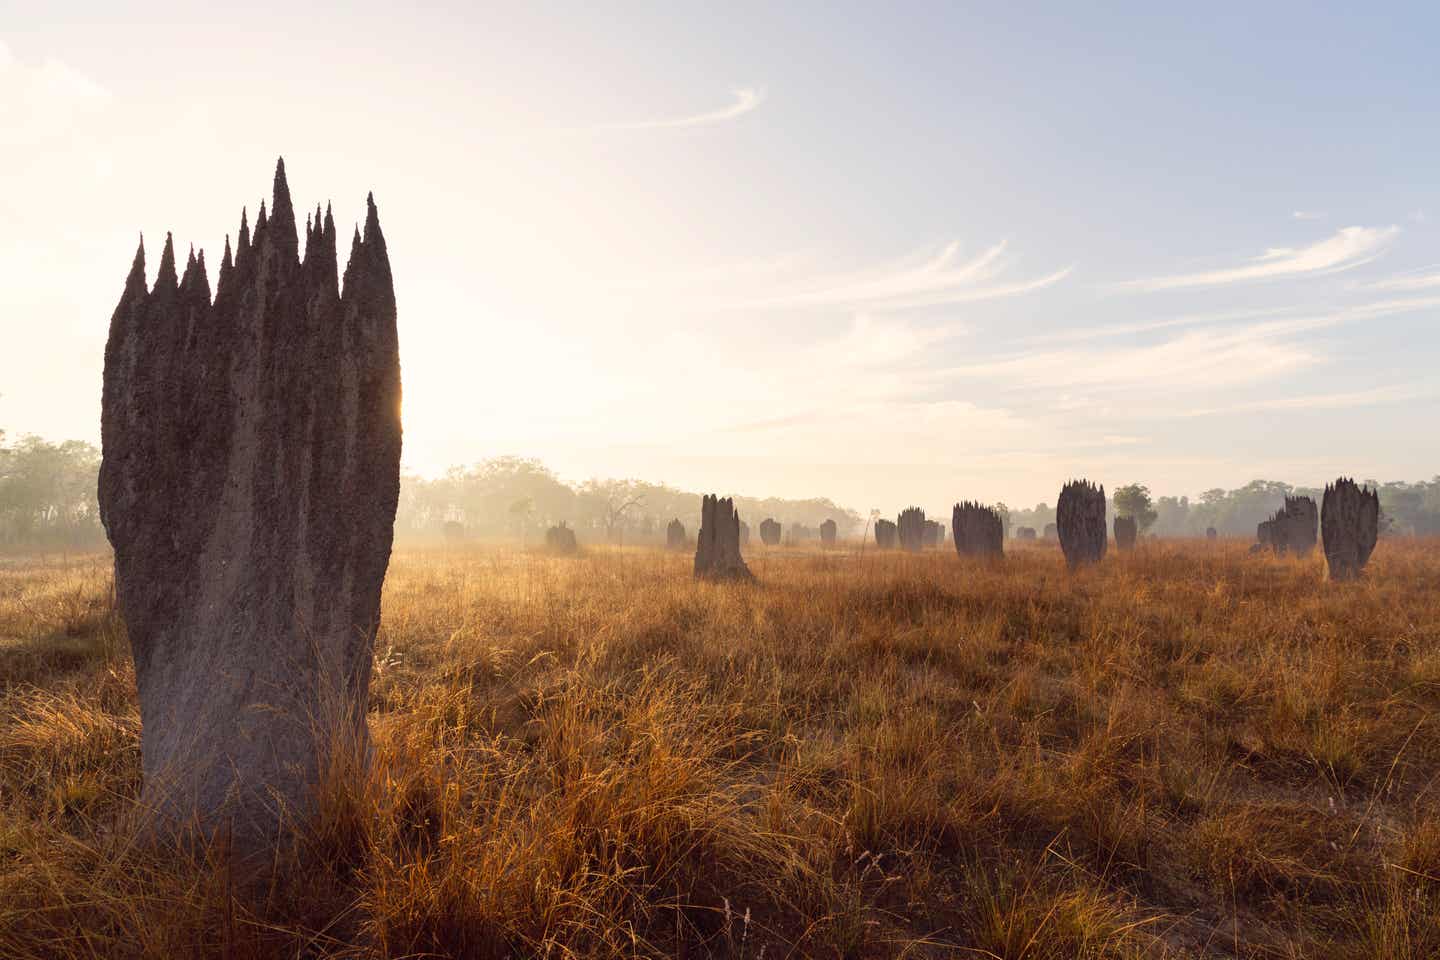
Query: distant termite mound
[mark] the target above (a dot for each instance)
(1052, 532)
(560, 539)
(886, 534)
(910, 528)
(770, 532)
(978, 531)
(827, 533)
(1211, 533)
(250, 474)
(799, 533)
(1025, 533)
(717, 549)
(1125, 533)
(1294, 527)
(453, 531)
(1080, 518)
(744, 534)
(675, 535)
(933, 534)
(1349, 524)
(1265, 537)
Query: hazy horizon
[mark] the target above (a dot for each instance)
(915, 257)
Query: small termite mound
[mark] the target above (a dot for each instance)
(717, 548)
(910, 527)
(560, 539)
(1125, 533)
(978, 531)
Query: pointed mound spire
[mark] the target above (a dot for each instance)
(372, 221)
(242, 239)
(165, 278)
(227, 266)
(376, 257)
(260, 219)
(320, 258)
(195, 284)
(329, 224)
(188, 277)
(282, 215)
(137, 269)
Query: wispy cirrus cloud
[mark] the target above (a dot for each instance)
(1075, 334)
(1221, 355)
(1375, 396)
(1427, 278)
(931, 280)
(1195, 359)
(1348, 248)
(1308, 215)
(744, 100)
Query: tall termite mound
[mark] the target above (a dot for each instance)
(717, 549)
(770, 532)
(827, 533)
(250, 474)
(910, 528)
(1125, 533)
(1349, 525)
(977, 530)
(886, 534)
(675, 535)
(1080, 520)
(1025, 533)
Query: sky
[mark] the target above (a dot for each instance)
(886, 253)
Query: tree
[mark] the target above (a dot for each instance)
(1004, 512)
(47, 493)
(1134, 501)
(609, 502)
(520, 512)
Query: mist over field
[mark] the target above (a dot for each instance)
(805, 480)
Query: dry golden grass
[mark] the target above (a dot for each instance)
(1187, 752)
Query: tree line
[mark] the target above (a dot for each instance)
(47, 500)
(519, 497)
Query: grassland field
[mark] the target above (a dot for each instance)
(1184, 752)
